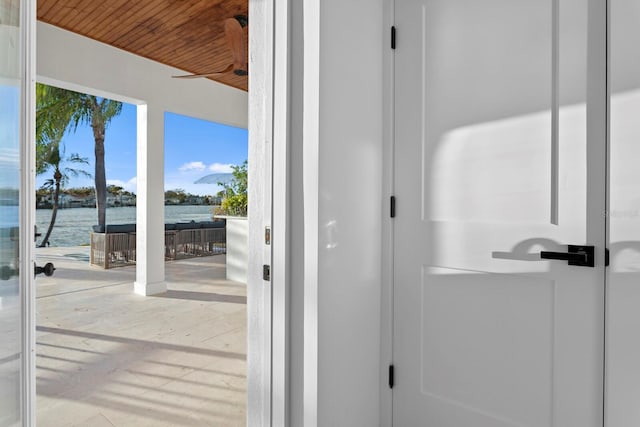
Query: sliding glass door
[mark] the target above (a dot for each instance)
(16, 117)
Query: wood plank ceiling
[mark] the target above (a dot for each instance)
(185, 34)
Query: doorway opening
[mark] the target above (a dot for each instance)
(56, 52)
(105, 354)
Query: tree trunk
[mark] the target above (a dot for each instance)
(98, 127)
(57, 176)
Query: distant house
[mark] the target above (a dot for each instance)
(74, 201)
(64, 201)
(89, 202)
(128, 200)
(195, 200)
(115, 200)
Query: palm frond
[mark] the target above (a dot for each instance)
(48, 184)
(75, 158)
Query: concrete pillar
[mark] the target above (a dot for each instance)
(150, 202)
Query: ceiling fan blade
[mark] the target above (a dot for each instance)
(214, 74)
(235, 37)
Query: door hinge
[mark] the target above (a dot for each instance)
(393, 37)
(606, 257)
(391, 376)
(266, 272)
(393, 206)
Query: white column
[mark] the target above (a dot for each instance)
(150, 202)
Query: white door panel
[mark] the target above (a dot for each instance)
(490, 170)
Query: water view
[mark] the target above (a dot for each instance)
(73, 226)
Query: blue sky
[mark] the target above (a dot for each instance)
(193, 148)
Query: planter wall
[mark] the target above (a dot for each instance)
(237, 248)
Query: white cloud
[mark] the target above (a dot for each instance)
(191, 166)
(220, 168)
(130, 185)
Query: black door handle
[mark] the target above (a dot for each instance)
(48, 269)
(583, 256)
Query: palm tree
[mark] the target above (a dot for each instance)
(52, 157)
(57, 105)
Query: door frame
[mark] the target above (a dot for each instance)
(269, 177)
(597, 130)
(27, 209)
(278, 111)
(388, 232)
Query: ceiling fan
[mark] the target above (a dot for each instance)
(234, 33)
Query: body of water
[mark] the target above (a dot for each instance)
(73, 226)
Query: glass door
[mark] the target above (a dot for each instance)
(16, 189)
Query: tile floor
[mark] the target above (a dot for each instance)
(108, 357)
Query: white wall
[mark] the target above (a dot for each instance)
(350, 179)
(340, 202)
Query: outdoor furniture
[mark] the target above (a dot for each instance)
(115, 245)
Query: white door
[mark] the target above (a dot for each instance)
(499, 155)
(16, 226)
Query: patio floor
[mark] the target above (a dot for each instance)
(108, 357)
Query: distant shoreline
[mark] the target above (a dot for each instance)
(117, 207)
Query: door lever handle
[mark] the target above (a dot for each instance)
(48, 269)
(583, 256)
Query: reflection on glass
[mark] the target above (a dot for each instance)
(10, 307)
